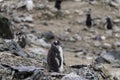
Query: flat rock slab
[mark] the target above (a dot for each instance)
(21, 72)
(37, 50)
(111, 56)
(16, 49)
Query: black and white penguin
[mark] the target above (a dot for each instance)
(109, 24)
(58, 4)
(21, 39)
(55, 57)
(88, 20)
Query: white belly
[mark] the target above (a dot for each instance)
(61, 69)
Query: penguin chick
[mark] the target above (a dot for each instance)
(55, 57)
(21, 39)
(88, 20)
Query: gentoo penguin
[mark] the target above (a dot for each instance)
(109, 24)
(55, 57)
(58, 4)
(21, 39)
(88, 20)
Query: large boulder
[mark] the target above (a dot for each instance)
(5, 29)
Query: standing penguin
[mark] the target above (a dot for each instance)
(21, 39)
(55, 57)
(58, 4)
(109, 24)
(88, 20)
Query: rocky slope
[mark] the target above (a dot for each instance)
(81, 45)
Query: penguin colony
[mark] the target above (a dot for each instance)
(55, 58)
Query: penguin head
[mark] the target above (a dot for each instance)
(88, 15)
(56, 44)
(108, 19)
(19, 33)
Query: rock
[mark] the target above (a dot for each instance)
(39, 50)
(97, 44)
(31, 38)
(118, 1)
(99, 38)
(48, 15)
(114, 4)
(41, 6)
(116, 21)
(77, 0)
(72, 76)
(115, 75)
(79, 54)
(103, 37)
(117, 35)
(67, 29)
(116, 29)
(38, 75)
(107, 45)
(110, 73)
(16, 49)
(99, 60)
(28, 19)
(88, 73)
(109, 32)
(71, 39)
(29, 4)
(67, 12)
(21, 4)
(6, 31)
(48, 35)
(17, 61)
(22, 72)
(1, 0)
(58, 75)
(44, 23)
(79, 21)
(17, 19)
(111, 56)
(40, 42)
(29, 25)
(76, 11)
(94, 2)
(117, 44)
(77, 37)
(80, 13)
